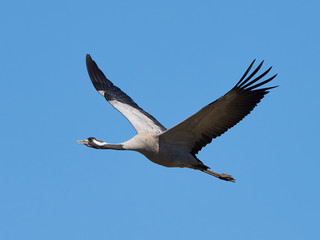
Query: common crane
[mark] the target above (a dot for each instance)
(178, 146)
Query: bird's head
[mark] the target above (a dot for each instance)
(91, 142)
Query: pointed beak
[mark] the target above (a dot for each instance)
(82, 141)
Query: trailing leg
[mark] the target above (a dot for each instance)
(222, 176)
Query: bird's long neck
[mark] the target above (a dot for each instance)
(104, 145)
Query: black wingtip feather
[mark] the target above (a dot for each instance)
(257, 78)
(247, 71)
(259, 84)
(98, 79)
(245, 85)
(251, 75)
(88, 59)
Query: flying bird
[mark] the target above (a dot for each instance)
(178, 146)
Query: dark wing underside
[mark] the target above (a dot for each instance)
(140, 120)
(216, 118)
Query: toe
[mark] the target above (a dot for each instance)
(227, 177)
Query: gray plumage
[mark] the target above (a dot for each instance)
(178, 146)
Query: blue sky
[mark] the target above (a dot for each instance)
(172, 58)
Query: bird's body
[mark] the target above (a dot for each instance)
(165, 154)
(178, 146)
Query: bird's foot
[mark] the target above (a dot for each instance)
(226, 177)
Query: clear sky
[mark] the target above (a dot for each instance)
(172, 58)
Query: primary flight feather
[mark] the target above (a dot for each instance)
(178, 146)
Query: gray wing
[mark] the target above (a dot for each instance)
(216, 118)
(140, 120)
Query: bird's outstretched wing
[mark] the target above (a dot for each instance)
(140, 120)
(216, 118)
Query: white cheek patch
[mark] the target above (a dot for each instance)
(100, 144)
